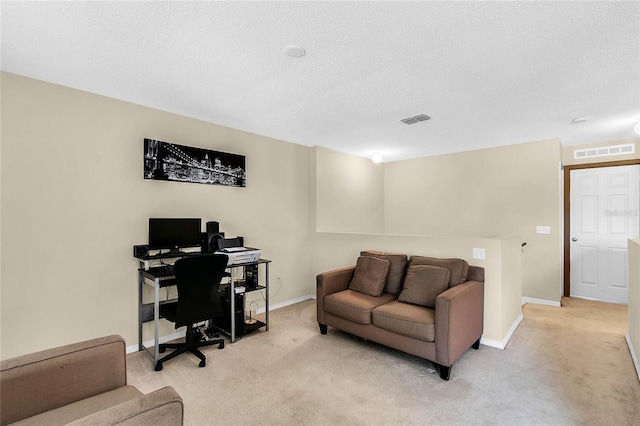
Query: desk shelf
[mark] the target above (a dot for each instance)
(240, 327)
(177, 255)
(148, 310)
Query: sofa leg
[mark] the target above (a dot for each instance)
(443, 371)
(323, 328)
(476, 345)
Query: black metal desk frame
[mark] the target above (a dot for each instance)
(161, 277)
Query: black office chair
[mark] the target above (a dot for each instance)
(198, 279)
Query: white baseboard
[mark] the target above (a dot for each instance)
(539, 301)
(163, 339)
(177, 335)
(288, 303)
(598, 300)
(503, 344)
(634, 356)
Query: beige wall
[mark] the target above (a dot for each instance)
(633, 332)
(74, 203)
(349, 193)
(487, 193)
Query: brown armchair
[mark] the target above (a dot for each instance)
(82, 384)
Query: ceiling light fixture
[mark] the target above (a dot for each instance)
(294, 51)
(376, 158)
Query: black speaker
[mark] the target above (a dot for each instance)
(209, 239)
(140, 251)
(212, 241)
(213, 227)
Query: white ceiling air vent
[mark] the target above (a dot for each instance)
(415, 119)
(605, 151)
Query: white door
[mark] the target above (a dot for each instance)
(604, 214)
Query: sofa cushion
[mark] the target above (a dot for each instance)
(459, 268)
(370, 275)
(398, 264)
(353, 305)
(82, 408)
(413, 321)
(423, 284)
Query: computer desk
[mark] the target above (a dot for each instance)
(159, 277)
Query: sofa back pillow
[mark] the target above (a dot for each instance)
(398, 264)
(459, 268)
(423, 284)
(370, 275)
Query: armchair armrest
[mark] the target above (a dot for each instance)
(459, 320)
(49, 379)
(163, 407)
(331, 282)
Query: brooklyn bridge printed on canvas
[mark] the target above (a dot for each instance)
(169, 161)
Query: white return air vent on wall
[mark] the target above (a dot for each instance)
(604, 151)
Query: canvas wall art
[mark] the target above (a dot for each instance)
(173, 162)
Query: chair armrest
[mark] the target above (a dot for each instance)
(459, 320)
(42, 381)
(163, 407)
(331, 282)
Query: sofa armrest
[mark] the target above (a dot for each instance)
(459, 320)
(163, 407)
(331, 282)
(49, 379)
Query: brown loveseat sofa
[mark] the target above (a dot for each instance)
(428, 307)
(81, 384)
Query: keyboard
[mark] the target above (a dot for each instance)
(162, 271)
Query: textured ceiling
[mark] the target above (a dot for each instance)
(488, 73)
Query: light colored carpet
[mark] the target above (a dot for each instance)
(563, 366)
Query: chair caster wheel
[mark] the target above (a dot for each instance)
(158, 367)
(221, 345)
(162, 350)
(202, 363)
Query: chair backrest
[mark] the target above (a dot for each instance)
(198, 279)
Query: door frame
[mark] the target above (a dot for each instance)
(567, 211)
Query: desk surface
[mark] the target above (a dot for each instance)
(170, 255)
(163, 273)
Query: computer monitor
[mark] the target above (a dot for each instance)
(174, 233)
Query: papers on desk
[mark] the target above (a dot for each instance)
(239, 289)
(234, 249)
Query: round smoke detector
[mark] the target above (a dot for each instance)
(294, 51)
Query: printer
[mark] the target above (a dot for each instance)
(241, 254)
